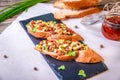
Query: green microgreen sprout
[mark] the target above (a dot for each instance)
(82, 73)
(62, 67)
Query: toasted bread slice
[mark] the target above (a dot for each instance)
(51, 30)
(88, 55)
(59, 49)
(67, 50)
(75, 4)
(64, 14)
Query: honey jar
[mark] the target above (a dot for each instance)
(111, 26)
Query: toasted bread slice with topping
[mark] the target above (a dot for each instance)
(51, 30)
(59, 49)
(67, 50)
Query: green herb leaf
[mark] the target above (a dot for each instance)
(82, 73)
(45, 48)
(61, 47)
(34, 29)
(71, 53)
(54, 22)
(62, 67)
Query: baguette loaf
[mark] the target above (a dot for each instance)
(75, 4)
(64, 14)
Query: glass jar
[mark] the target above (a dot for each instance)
(111, 26)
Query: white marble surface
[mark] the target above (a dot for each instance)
(22, 58)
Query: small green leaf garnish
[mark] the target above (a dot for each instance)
(71, 53)
(62, 67)
(45, 48)
(61, 47)
(82, 73)
(34, 29)
(54, 22)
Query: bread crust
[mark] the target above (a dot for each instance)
(88, 56)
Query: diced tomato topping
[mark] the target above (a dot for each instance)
(32, 23)
(59, 53)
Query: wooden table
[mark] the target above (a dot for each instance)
(3, 4)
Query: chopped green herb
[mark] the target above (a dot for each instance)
(54, 22)
(34, 29)
(62, 67)
(82, 73)
(61, 47)
(71, 53)
(45, 48)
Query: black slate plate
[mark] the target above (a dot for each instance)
(72, 67)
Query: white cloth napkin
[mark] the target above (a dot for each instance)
(22, 58)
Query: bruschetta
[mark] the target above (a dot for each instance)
(51, 30)
(67, 50)
(59, 49)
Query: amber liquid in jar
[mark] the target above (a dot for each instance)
(111, 27)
